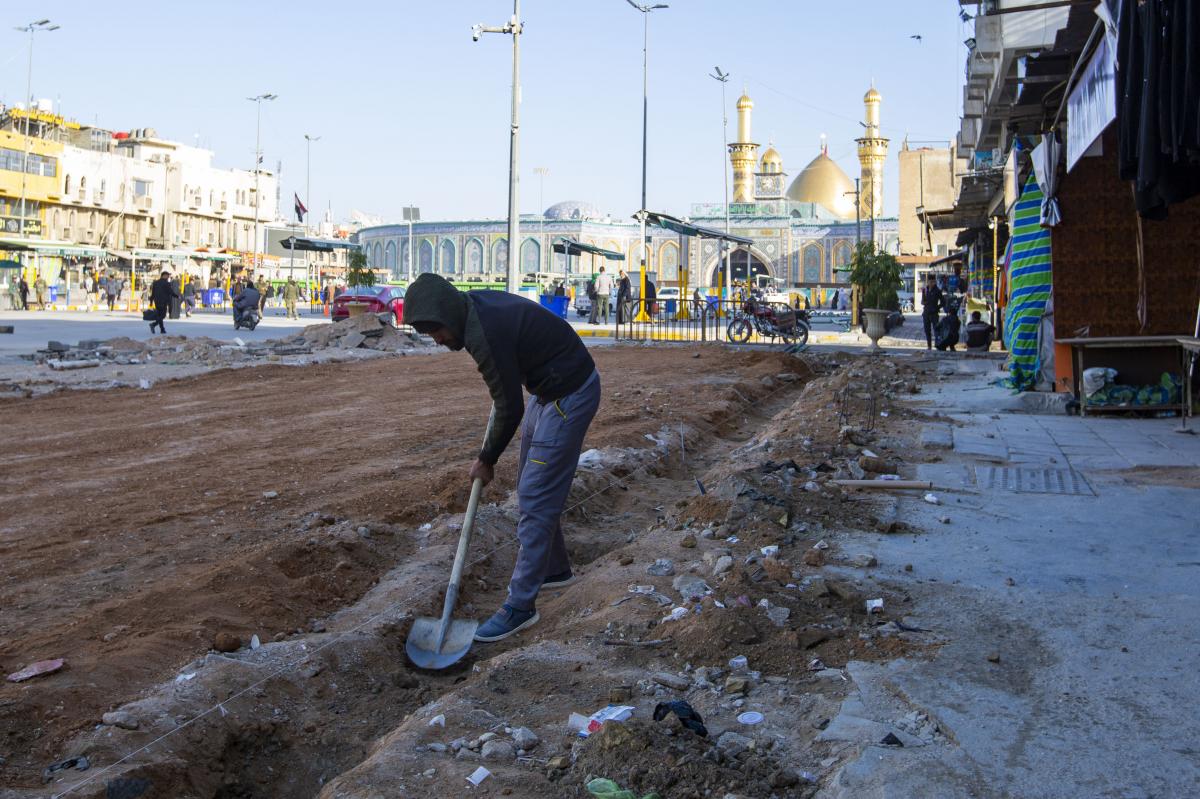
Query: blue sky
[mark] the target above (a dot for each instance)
(410, 110)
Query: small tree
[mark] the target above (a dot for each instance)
(877, 275)
(358, 273)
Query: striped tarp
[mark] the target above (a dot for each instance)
(1028, 287)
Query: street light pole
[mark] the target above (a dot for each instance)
(308, 140)
(645, 9)
(723, 78)
(31, 28)
(514, 27)
(258, 101)
(541, 172)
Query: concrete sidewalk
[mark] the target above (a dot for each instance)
(1061, 592)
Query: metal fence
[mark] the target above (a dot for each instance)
(698, 321)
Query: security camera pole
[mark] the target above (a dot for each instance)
(513, 26)
(641, 214)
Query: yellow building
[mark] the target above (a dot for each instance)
(42, 182)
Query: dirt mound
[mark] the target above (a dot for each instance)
(679, 764)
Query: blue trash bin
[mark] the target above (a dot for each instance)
(556, 305)
(670, 309)
(53, 293)
(213, 297)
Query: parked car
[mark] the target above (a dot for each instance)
(379, 299)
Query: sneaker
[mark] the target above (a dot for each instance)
(504, 623)
(560, 580)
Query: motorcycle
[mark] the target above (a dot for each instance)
(248, 319)
(755, 316)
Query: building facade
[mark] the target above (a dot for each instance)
(802, 236)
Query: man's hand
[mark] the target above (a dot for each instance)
(482, 471)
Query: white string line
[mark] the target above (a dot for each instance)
(369, 620)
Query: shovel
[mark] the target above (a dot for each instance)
(438, 643)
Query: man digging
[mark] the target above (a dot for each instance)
(516, 342)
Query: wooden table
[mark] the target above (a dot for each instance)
(1115, 343)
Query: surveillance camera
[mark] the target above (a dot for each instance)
(476, 32)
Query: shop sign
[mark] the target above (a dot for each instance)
(1092, 105)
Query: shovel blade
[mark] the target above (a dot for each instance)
(421, 646)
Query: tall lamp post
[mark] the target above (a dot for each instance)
(31, 29)
(513, 26)
(645, 9)
(541, 172)
(723, 77)
(308, 140)
(258, 101)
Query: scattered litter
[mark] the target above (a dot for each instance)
(733, 539)
(478, 775)
(944, 519)
(816, 664)
(270, 494)
(822, 544)
(770, 551)
(884, 414)
(874, 605)
(750, 717)
(808, 777)
(700, 486)
(811, 486)
(437, 721)
(688, 717)
(887, 477)
(932, 499)
(739, 662)
(584, 726)
(676, 614)
(144, 384)
(426, 527)
(868, 453)
(78, 763)
(255, 643)
(191, 675)
(891, 740)
(37, 670)
(238, 341)
(607, 789)
(663, 567)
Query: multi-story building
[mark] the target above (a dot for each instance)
(124, 200)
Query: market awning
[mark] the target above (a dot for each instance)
(50, 247)
(171, 255)
(305, 245)
(688, 229)
(572, 247)
(10, 265)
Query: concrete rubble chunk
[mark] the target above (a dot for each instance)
(525, 738)
(734, 743)
(937, 436)
(120, 718)
(673, 681)
(723, 564)
(691, 587)
(498, 749)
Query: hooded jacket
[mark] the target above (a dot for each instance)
(514, 342)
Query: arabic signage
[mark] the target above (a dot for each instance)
(1092, 105)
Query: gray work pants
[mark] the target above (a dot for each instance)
(550, 443)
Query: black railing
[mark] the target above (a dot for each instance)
(728, 321)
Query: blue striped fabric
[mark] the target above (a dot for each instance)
(1028, 287)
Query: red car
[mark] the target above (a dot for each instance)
(379, 299)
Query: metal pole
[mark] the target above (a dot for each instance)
(257, 170)
(410, 244)
(857, 213)
(28, 116)
(642, 315)
(514, 216)
(725, 171)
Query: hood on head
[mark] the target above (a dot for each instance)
(431, 298)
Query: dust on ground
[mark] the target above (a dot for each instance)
(165, 537)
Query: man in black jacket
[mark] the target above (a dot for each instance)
(162, 294)
(931, 301)
(624, 298)
(516, 342)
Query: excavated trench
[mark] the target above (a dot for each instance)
(339, 712)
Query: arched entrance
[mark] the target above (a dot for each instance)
(742, 264)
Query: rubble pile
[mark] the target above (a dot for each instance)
(367, 331)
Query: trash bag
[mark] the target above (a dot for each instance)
(607, 789)
(946, 332)
(688, 717)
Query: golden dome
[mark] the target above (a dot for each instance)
(823, 182)
(771, 156)
(872, 96)
(745, 102)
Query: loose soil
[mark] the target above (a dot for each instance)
(139, 524)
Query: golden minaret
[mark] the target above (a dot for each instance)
(743, 154)
(872, 150)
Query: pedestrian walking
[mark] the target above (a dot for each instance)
(604, 284)
(931, 301)
(624, 297)
(24, 290)
(14, 293)
(291, 293)
(189, 297)
(515, 343)
(112, 290)
(176, 298)
(262, 286)
(162, 294)
(651, 297)
(39, 292)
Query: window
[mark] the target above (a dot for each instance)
(103, 186)
(446, 264)
(15, 160)
(83, 183)
(141, 188)
(67, 185)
